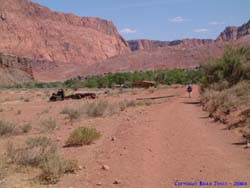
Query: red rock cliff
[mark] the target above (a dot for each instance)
(234, 33)
(31, 30)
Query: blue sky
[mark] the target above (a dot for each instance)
(161, 19)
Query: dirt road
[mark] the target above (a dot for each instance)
(173, 142)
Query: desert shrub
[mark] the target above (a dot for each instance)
(148, 102)
(48, 125)
(82, 136)
(70, 166)
(225, 83)
(228, 99)
(134, 92)
(122, 105)
(219, 86)
(7, 128)
(2, 167)
(45, 111)
(52, 169)
(41, 152)
(26, 128)
(33, 153)
(151, 90)
(96, 109)
(232, 68)
(72, 112)
(130, 103)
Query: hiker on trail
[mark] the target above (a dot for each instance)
(189, 90)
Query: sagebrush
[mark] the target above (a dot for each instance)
(82, 136)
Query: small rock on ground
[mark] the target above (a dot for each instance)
(105, 167)
(117, 182)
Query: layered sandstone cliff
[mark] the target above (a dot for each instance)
(146, 44)
(233, 33)
(143, 44)
(31, 30)
(15, 69)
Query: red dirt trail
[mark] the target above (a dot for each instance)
(172, 142)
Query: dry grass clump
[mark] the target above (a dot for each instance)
(26, 128)
(151, 89)
(2, 167)
(33, 153)
(45, 111)
(230, 105)
(134, 91)
(7, 128)
(48, 125)
(122, 105)
(130, 103)
(96, 109)
(72, 112)
(54, 167)
(100, 108)
(93, 109)
(82, 136)
(133, 103)
(148, 102)
(228, 99)
(41, 152)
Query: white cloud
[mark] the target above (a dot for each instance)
(203, 30)
(178, 19)
(128, 31)
(216, 23)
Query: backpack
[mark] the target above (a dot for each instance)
(189, 89)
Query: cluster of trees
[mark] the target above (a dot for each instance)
(168, 77)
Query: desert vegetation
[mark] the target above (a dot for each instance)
(2, 167)
(48, 125)
(42, 153)
(82, 136)
(100, 108)
(226, 87)
(168, 77)
(8, 128)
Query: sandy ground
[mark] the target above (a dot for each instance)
(156, 146)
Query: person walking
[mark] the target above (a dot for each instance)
(189, 90)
